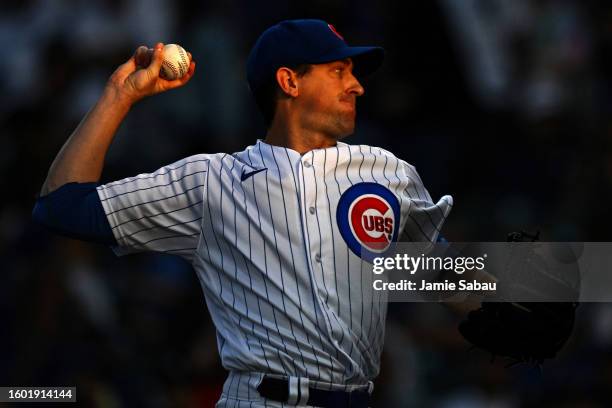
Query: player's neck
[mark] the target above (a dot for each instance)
(299, 139)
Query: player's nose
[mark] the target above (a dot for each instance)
(355, 86)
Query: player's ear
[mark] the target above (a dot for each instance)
(287, 81)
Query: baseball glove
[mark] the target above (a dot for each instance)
(528, 332)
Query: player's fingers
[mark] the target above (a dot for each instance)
(189, 74)
(125, 69)
(143, 56)
(190, 56)
(156, 61)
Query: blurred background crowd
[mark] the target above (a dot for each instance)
(505, 104)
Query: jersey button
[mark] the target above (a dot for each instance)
(312, 210)
(318, 258)
(307, 164)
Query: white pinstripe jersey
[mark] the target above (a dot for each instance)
(276, 250)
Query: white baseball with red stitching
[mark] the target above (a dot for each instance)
(176, 62)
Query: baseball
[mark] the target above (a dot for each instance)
(176, 62)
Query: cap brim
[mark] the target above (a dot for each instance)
(366, 60)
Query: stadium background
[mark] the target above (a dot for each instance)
(506, 105)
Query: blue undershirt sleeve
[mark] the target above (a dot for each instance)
(74, 210)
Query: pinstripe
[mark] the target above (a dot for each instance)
(234, 260)
(426, 212)
(229, 390)
(253, 386)
(232, 250)
(144, 217)
(333, 244)
(322, 263)
(256, 260)
(155, 175)
(433, 223)
(306, 246)
(222, 340)
(361, 262)
(384, 173)
(378, 329)
(266, 270)
(156, 185)
(281, 270)
(221, 253)
(371, 275)
(248, 388)
(320, 236)
(425, 235)
(237, 401)
(416, 222)
(348, 257)
(162, 226)
(155, 201)
(203, 235)
(251, 287)
(178, 249)
(248, 272)
(168, 237)
(446, 201)
(246, 264)
(300, 314)
(400, 197)
(412, 186)
(347, 254)
(316, 202)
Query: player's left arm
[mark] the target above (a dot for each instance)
(425, 217)
(424, 224)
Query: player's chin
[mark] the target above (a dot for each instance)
(345, 129)
(343, 124)
(348, 123)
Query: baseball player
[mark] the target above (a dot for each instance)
(280, 233)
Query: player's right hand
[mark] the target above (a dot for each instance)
(139, 76)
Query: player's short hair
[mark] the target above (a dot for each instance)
(268, 93)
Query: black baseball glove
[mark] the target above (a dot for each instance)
(528, 332)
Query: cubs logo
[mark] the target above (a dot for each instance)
(368, 217)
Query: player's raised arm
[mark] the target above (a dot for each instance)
(69, 203)
(81, 159)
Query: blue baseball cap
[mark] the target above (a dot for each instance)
(294, 42)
